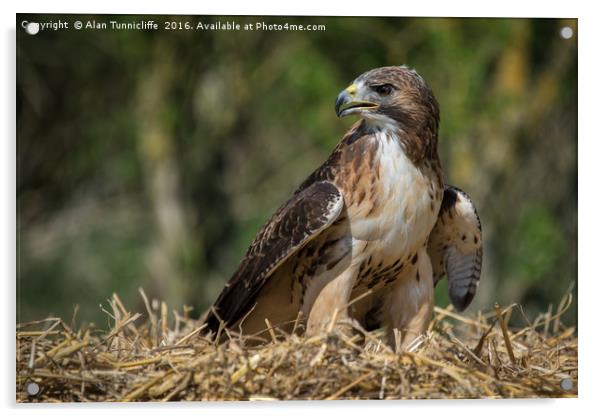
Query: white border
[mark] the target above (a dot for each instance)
(467, 8)
(590, 291)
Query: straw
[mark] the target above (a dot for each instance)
(143, 358)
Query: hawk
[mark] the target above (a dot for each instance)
(375, 220)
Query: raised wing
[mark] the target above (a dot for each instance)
(299, 220)
(455, 247)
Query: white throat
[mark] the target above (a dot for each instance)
(379, 122)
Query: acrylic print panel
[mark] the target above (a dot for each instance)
(255, 208)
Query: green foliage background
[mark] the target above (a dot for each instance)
(150, 159)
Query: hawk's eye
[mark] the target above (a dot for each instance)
(383, 89)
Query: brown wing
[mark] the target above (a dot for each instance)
(304, 216)
(455, 247)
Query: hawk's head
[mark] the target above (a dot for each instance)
(391, 96)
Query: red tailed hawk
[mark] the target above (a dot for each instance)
(375, 217)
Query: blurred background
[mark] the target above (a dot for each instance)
(151, 159)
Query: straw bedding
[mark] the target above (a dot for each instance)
(161, 356)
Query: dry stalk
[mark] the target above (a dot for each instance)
(149, 360)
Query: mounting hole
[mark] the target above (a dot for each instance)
(566, 384)
(32, 389)
(566, 32)
(32, 28)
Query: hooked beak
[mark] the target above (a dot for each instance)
(348, 103)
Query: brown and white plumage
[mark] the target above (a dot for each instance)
(360, 222)
(299, 220)
(455, 247)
